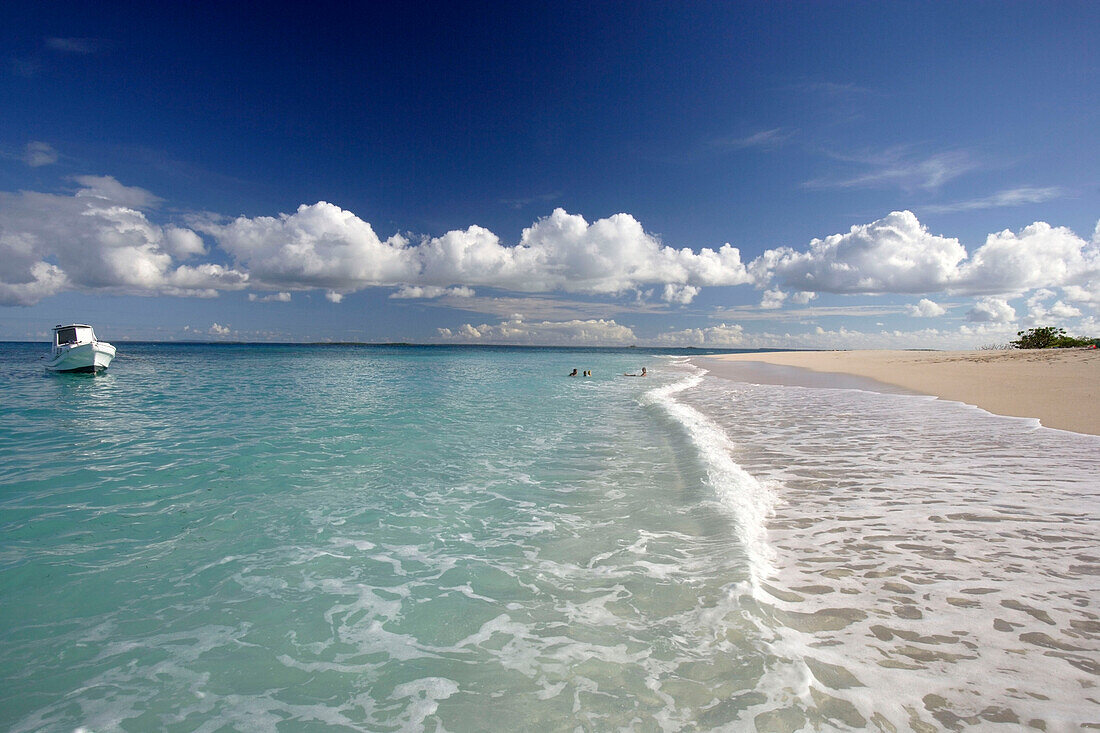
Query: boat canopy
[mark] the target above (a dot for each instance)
(74, 334)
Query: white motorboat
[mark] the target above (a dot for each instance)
(76, 349)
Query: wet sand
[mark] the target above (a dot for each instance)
(1060, 387)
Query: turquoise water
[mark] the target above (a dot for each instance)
(307, 538)
(372, 538)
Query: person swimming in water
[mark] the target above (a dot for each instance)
(643, 374)
(573, 373)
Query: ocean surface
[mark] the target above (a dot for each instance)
(317, 538)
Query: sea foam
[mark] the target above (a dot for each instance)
(749, 501)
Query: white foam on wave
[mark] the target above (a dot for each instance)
(750, 501)
(936, 565)
(424, 694)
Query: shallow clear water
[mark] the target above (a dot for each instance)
(300, 538)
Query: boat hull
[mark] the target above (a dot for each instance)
(92, 357)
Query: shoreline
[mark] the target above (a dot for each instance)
(1059, 387)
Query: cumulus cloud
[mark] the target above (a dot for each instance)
(37, 154)
(991, 310)
(103, 238)
(182, 243)
(1062, 310)
(897, 254)
(592, 332)
(564, 252)
(107, 189)
(1087, 293)
(772, 299)
(544, 333)
(1039, 256)
(218, 330)
(1040, 312)
(720, 336)
(283, 297)
(318, 246)
(588, 332)
(894, 254)
(38, 280)
(98, 239)
(431, 291)
(926, 308)
(681, 294)
(321, 245)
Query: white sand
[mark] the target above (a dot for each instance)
(1060, 387)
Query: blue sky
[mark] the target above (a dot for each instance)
(714, 174)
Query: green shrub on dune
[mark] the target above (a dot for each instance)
(1050, 337)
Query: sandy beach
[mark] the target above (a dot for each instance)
(1060, 387)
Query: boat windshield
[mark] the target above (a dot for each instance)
(66, 336)
(74, 335)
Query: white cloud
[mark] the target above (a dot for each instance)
(1040, 313)
(965, 337)
(926, 308)
(204, 281)
(37, 154)
(1008, 197)
(681, 294)
(324, 246)
(545, 333)
(755, 313)
(767, 139)
(991, 310)
(182, 243)
(720, 336)
(576, 332)
(614, 255)
(1087, 293)
(97, 240)
(432, 291)
(109, 190)
(283, 297)
(318, 246)
(551, 307)
(1039, 256)
(38, 280)
(473, 256)
(899, 167)
(772, 299)
(895, 254)
(102, 239)
(1061, 310)
(218, 330)
(1039, 296)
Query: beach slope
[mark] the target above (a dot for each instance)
(1060, 387)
